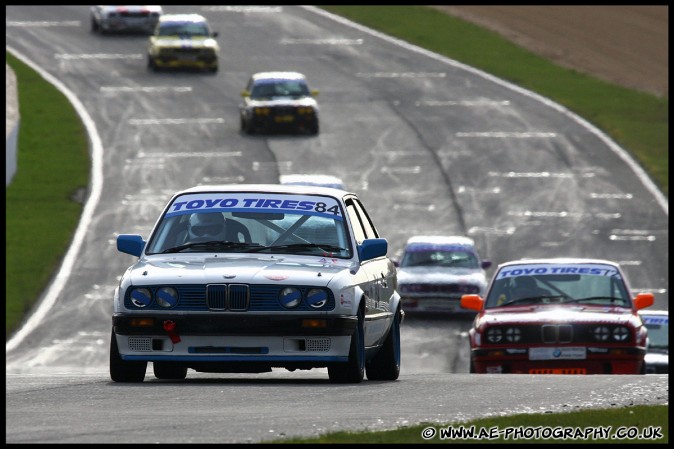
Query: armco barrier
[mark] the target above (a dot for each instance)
(12, 123)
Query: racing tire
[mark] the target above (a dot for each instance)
(151, 64)
(471, 370)
(247, 127)
(168, 370)
(123, 371)
(94, 26)
(313, 130)
(386, 364)
(352, 371)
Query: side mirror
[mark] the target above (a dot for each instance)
(130, 244)
(643, 300)
(245, 93)
(472, 302)
(314, 92)
(372, 248)
(486, 264)
(214, 34)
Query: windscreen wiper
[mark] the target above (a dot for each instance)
(301, 246)
(594, 298)
(219, 244)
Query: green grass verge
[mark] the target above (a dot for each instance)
(638, 122)
(636, 424)
(42, 209)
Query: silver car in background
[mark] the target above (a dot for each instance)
(275, 101)
(657, 349)
(125, 18)
(436, 270)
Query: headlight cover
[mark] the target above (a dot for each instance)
(167, 297)
(317, 297)
(141, 297)
(290, 297)
(494, 335)
(601, 333)
(513, 334)
(621, 333)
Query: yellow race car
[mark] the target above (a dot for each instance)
(183, 41)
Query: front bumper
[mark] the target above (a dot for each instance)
(598, 360)
(283, 118)
(294, 341)
(432, 305)
(120, 25)
(177, 60)
(243, 324)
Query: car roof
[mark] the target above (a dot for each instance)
(155, 8)
(440, 240)
(312, 180)
(278, 75)
(182, 18)
(559, 260)
(268, 188)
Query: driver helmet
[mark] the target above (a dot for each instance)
(207, 226)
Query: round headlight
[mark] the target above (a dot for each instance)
(141, 297)
(621, 333)
(167, 297)
(494, 335)
(601, 333)
(317, 297)
(513, 334)
(290, 297)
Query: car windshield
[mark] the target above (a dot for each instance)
(572, 283)
(279, 88)
(658, 331)
(252, 223)
(456, 258)
(183, 29)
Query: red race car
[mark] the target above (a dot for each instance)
(558, 316)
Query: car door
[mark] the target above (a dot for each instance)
(379, 287)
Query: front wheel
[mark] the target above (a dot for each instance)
(352, 371)
(151, 64)
(121, 370)
(246, 126)
(386, 364)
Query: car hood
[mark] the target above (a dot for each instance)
(204, 269)
(284, 101)
(184, 42)
(441, 275)
(656, 358)
(556, 314)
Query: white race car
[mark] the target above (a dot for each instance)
(246, 278)
(125, 18)
(657, 349)
(436, 270)
(275, 101)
